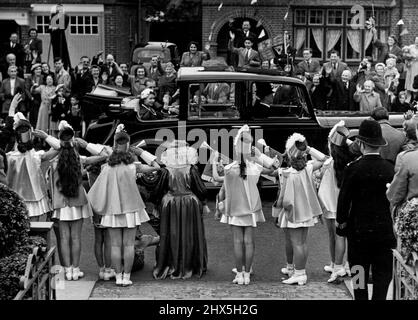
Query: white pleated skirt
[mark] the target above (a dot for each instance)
(38, 208)
(73, 213)
(125, 220)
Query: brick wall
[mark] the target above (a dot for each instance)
(120, 23)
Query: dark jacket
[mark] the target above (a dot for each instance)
(319, 94)
(343, 98)
(362, 202)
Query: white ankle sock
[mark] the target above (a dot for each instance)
(290, 266)
(338, 266)
(300, 272)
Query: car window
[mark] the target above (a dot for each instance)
(212, 100)
(277, 99)
(145, 54)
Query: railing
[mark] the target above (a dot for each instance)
(38, 282)
(405, 278)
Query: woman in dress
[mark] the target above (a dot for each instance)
(47, 92)
(35, 98)
(182, 251)
(242, 201)
(116, 198)
(138, 82)
(193, 57)
(46, 71)
(411, 65)
(297, 211)
(328, 191)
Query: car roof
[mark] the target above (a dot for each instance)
(200, 74)
(156, 44)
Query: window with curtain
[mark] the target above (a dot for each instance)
(330, 29)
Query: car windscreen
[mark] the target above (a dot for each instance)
(214, 100)
(278, 99)
(145, 54)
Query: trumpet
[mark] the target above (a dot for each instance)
(140, 144)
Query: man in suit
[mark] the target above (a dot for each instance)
(155, 71)
(16, 48)
(112, 68)
(240, 36)
(62, 76)
(308, 67)
(10, 86)
(335, 66)
(83, 82)
(342, 96)
(395, 138)
(363, 214)
(247, 56)
(10, 61)
(33, 49)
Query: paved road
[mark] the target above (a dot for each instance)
(216, 283)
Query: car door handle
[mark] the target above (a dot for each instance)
(251, 127)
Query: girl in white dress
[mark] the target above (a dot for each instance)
(116, 198)
(328, 191)
(298, 207)
(243, 208)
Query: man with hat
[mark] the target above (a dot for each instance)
(363, 214)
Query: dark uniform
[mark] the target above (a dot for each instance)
(363, 206)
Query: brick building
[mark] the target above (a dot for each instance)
(108, 25)
(320, 24)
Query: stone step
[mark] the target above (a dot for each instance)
(218, 290)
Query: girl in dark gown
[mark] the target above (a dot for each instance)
(182, 251)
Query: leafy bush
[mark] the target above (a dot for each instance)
(13, 266)
(14, 221)
(407, 227)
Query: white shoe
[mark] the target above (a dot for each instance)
(77, 273)
(336, 274)
(126, 280)
(109, 274)
(239, 278)
(69, 273)
(246, 278)
(119, 281)
(101, 273)
(299, 279)
(329, 268)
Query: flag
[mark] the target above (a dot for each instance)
(393, 4)
(220, 6)
(253, 2)
(404, 32)
(400, 23)
(262, 34)
(210, 36)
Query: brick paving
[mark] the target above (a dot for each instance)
(216, 290)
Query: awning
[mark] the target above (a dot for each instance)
(20, 16)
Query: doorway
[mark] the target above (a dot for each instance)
(223, 35)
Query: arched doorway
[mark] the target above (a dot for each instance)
(223, 34)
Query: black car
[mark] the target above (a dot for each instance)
(213, 105)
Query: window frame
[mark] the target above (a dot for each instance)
(346, 19)
(44, 25)
(79, 21)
